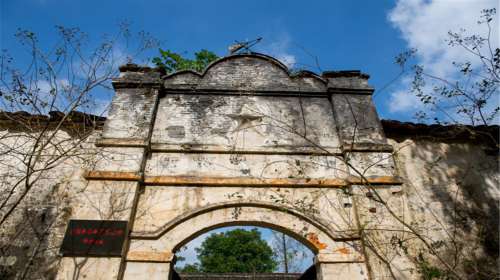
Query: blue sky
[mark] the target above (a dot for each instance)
(343, 35)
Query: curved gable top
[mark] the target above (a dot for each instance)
(247, 72)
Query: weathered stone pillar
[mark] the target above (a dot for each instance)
(357, 121)
(374, 183)
(380, 210)
(112, 186)
(331, 267)
(147, 270)
(328, 271)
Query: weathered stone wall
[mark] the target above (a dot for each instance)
(448, 188)
(452, 192)
(31, 236)
(245, 142)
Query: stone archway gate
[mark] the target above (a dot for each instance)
(245, 142)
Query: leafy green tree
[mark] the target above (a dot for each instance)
(171, 61)
(237, 250)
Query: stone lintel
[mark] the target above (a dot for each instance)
(367, 147)
(221, 149)
(359, 91)
(241, 181)
(143, 256)
(342, 255)
(121, 142)
(345, 74)
(127, 83)
(112, 175)
(375, 180)
(216, 149)
(239, 92)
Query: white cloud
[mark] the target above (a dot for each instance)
(97, 106)
(280, 49)
(120, 56)
(287, 59)
(424, 25)
(403, 101)
(43, 88)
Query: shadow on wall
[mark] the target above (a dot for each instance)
(26, 239)
(456, 186)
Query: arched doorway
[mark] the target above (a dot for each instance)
(335, 257)
(242, 252)
(244, 142)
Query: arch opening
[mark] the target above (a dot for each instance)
(330, 253)
(249, 224)
(241, 250)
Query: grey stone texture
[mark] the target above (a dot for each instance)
(248, 143)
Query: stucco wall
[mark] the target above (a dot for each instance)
(453, 194)
(450, 194)
(246, 142)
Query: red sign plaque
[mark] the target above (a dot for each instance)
(94, 238)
